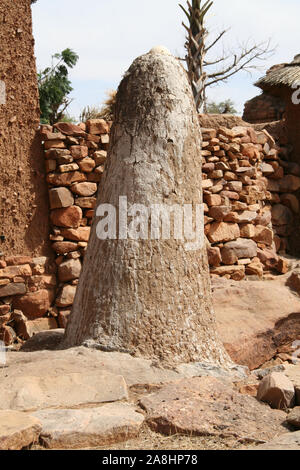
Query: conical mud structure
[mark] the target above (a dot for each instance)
(144, 290)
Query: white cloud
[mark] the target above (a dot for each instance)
(109, 34)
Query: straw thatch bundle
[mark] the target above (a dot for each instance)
(284, 75)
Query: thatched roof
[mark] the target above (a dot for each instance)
(284, 75)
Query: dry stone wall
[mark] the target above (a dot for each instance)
(250, 202)
(75, 158)
(27, 292)
(37, 293)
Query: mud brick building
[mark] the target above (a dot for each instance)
(23, 193)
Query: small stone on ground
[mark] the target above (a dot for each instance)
(277, 390)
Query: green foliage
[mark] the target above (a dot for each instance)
(55, 86)
(224, 107)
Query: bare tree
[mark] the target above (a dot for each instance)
(198, 48)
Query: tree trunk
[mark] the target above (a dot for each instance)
(149, 297)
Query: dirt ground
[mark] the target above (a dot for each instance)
(149, 440)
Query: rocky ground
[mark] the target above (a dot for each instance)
(92, 399)
(83, 398)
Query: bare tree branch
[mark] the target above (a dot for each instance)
(216, 40)
(217, 61)
(197, 65)
(241, 62)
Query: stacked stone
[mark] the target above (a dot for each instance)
(249, 202)
(27, 290)
(285, 199)
(75, 158)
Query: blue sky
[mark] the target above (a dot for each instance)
(109, 34)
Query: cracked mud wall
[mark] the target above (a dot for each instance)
(23, 192)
